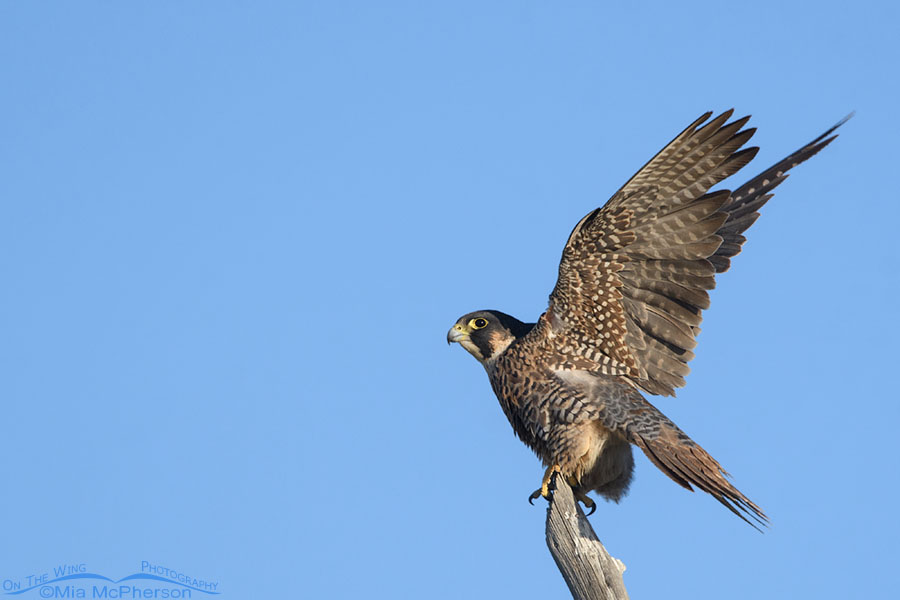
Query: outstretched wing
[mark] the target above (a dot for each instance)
(744, 204)
(634, 274)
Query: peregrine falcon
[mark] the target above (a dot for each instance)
(624, 317)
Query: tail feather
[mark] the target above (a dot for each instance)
(687, 464)
(682, 459)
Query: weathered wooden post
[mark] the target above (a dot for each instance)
(589, 570)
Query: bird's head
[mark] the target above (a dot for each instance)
(485, 334)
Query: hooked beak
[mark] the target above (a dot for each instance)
(457, 333)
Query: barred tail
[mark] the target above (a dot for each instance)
(686, 463)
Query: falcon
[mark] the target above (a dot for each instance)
(624, 316)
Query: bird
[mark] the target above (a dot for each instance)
(624, 316)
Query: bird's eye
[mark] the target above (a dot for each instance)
(478, 323)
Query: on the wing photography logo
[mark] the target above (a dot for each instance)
(76, 581)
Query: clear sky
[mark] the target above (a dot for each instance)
(233, 236)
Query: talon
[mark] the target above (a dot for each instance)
(592, 506)
(583, 498)
(545, 484)
(580, 496)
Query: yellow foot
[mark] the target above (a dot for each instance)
(545, 484)
(582, 497)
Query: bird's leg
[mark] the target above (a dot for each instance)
(581, 496)
(545, 484)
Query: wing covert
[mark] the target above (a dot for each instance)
(634, 274)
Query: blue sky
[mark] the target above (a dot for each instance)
(233, 237)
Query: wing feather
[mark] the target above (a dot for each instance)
(635, 274)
